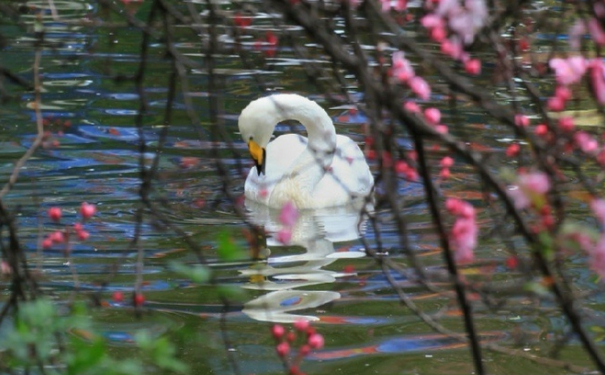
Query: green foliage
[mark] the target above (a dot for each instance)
(198, 273)
(42, 337)
(228, 250)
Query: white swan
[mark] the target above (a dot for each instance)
(325, 170)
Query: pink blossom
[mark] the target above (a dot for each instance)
(282, 349)
(521, 121)
(599, 9)
(597, 79)
(57, 237)
(87, 210)
(535, 182)
(596, 31)
(432, 115)
(568, 71)
(459, 207)
(412, 107)
(316, 341)
(284, 236)
(301, 324)
(598, 208)
(288, 214)
(441, 129)
(541, 130)
(473, 67)
(555, 104)
(512, 150)
(386, 5)
(54, 213)
(420, 87)
(401, 5)
(586, 142)
(576, 32)
(566, 124)
(563, 92)
(5, 268)
(278, 331)
(520, 199)
(83, 235)
(438, 34)
(402, 69)
(431, 21)
(464, 232)
(446, 162)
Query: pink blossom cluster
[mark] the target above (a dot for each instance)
(464, 232)
(571, 70)
(403, 72)
(463, 20)
(399, 5)
(287, 218)
(446, 163)
(592, 26)
(431, 115)
(530, 187)
(62, 236)
(284, 341)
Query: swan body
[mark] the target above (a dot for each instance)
(323, 170)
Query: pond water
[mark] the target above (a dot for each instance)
(323, 275)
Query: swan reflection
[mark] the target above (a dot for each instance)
(316, 231)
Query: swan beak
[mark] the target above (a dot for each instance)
(258, 155)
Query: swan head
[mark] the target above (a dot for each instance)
(256, 125)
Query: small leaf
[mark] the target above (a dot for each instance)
(197, 273)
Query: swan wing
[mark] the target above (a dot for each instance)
(281, 154)
(349, 177)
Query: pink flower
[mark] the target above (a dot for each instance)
(535, 182)
(83, 235)
(463, 236)
(284, 236)
(563, 93)
(288, 214)
(432, 115)
(521, 121)
(541, 130)
(401, 5)
(568, 71)
(520, 199)
(598, 208)
(420, 87)
(431, 21)
(5, 268)
(566, 124)
(596, 31)
(576, 32)
(586, 142)
(277, 331)
(54, 213)
(282, 349)
(316, 341)
(512, 150)
(446, 162)
(412, 107)
(402, 69)
(473, 67)
(301, 324)
(555, 104)
(597, 79)
(57, 237)
(87, 210)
